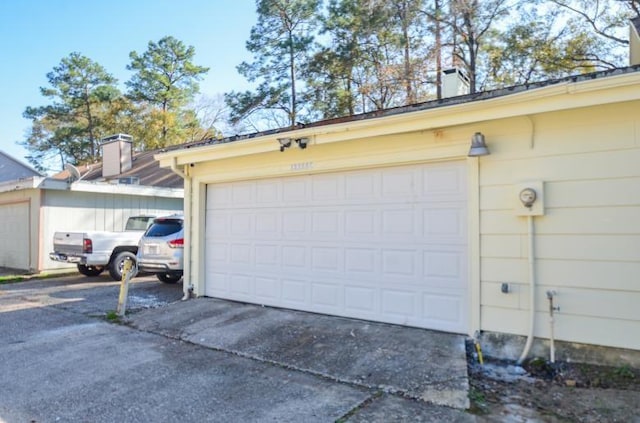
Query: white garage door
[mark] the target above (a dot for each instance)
(386, 244)
(14, 236)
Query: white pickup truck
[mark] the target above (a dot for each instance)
(95, 251)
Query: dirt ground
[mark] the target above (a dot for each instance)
(558, 392)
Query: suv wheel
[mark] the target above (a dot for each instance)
(168, 277)
(117, 264)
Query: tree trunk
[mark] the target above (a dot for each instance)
(438, 48)
(410, 99)
(292, 70)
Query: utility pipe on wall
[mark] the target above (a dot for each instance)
(532, 291)
(552, 309)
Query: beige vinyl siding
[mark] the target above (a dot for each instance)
(587, 243)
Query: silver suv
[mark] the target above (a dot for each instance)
(161, 248)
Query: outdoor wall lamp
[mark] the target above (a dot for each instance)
(302, 142)
(478, 146)
(284, 143)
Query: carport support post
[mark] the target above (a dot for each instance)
(124, 287)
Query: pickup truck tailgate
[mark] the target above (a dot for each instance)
(68, 242)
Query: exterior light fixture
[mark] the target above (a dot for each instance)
(284, 143)
(302, 142)
(478, 146)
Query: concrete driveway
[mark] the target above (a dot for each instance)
(212, 360)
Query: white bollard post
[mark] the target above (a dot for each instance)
(127, 271)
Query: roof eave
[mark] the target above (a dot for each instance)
(561, 96)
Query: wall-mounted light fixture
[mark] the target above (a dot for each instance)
(478, 146)
(302, 142)
(284, 143)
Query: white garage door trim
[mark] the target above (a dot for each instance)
(386, 244)
(15, 233)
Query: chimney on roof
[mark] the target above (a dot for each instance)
(634, 41)
(116, 154)
(454, 83)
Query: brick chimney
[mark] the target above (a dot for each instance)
(116, 154)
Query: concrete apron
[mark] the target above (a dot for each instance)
(415, 363)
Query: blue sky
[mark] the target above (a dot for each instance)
(35, 35)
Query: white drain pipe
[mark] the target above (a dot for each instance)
(187, 287)
(532, 292)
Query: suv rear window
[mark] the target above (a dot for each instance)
(137, 223)
(164, 227)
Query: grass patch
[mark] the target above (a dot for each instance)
(112, 317)
(624, 372)
(7, 279)
(479, 404)
(12, 279)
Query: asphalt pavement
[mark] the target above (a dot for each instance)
(62, 360)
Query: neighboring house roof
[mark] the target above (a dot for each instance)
(144, 167)
(12, 169)
(434, 104)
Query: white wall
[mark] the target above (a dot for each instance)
(80, 211)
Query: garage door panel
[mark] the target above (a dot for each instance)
(362, 186)
(382, 244)
(443, 182)
(241, 285)
(443, 264)
(327, 295)
(398, 184)
(14, 231)
(399, 263)
(268, 289)
(326, 224)
(361, 262)
(294, 257)
(217, 284)
(294, 191)
(444, 224)
(267, 225)
(444, 309)
(326, 188)
(294, 224)
(268, 193)
(295, 292)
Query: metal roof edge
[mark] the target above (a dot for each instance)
(52, 184)
(516, 94)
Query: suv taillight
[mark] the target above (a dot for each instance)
(87, 246)
(176, 243)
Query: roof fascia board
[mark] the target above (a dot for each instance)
(561, 96)
(124, 189)
(21, 184)
(38, 182)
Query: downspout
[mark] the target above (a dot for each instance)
(186, 287)
(532, 292)
(176, 170)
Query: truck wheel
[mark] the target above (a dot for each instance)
(116, 265)
(168, 277)
(90, 270)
